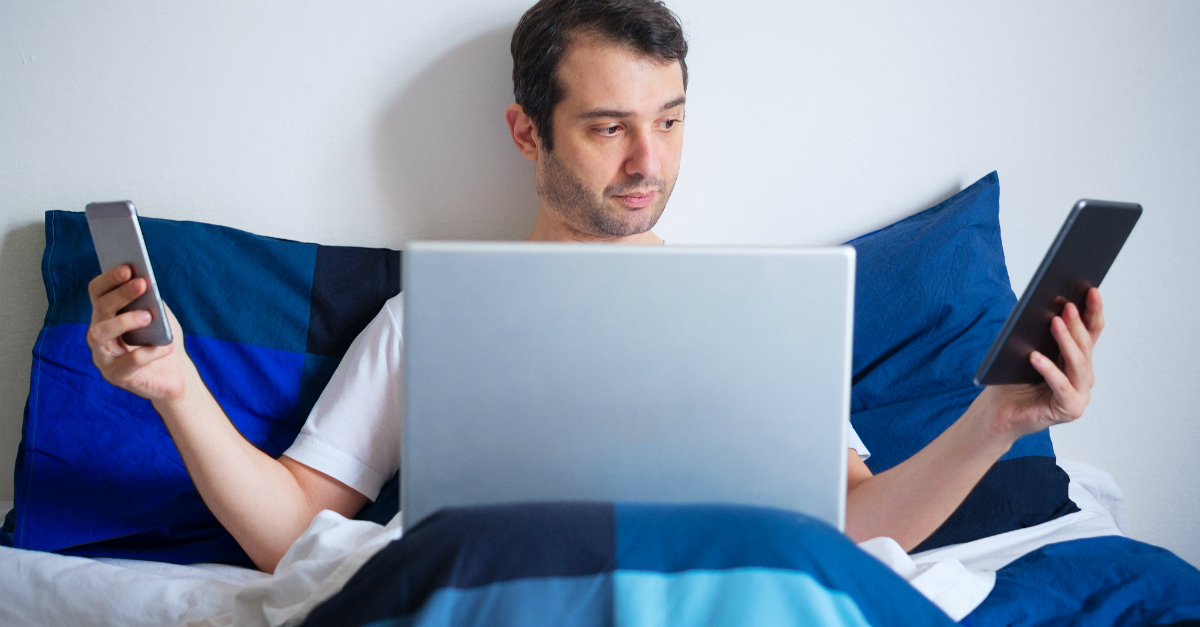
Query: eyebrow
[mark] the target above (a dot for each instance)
(674, 103)
(612, 113)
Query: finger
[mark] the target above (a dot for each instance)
(108, 304)
(124, 367)
(1093, 316)
(105, 335)
(106, 281)
(1065, 394)
(1079, 332)
(1076, 361)
(1072, 356)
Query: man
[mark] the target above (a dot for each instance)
(600, 92)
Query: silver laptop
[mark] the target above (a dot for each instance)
(574, 372)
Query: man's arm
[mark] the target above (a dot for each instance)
(263, 502)
(911, 500)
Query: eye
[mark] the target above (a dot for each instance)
(669, 123)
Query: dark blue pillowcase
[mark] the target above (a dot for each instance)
(265, 320)
(932, 293)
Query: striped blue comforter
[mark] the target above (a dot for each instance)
(623, 564)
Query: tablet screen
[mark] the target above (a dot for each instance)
(1080, 256)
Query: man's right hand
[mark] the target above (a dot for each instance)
(156, 373)
(265, 503)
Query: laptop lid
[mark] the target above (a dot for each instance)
(576, 372)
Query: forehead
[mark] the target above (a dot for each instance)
(596, 74)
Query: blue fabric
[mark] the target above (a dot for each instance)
(932, 293)
(1109, 581)
(583, 601)
(626, 564)
(674, 539)
(266, 322)
(10, 524)
(739, 596)
(99, 462)
(234, 278)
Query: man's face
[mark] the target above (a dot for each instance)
(618, 135)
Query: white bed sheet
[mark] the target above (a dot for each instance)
(39, 589)
(957, 578)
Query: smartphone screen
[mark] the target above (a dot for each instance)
(117, 237)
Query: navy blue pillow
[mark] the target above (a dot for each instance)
(265, 320)
(932, 294)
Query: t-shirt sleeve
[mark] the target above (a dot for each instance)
(353, 432)
(856, 443)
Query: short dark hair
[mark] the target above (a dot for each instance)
(548, 28)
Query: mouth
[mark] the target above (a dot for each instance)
(638, 200)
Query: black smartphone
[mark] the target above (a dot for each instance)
(117, 237)
(1077, 261)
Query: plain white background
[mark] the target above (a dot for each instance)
(372, 123)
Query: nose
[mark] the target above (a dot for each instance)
(644, 156)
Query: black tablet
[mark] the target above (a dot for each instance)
(1078, 259)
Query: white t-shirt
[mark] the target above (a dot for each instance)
(353, 432)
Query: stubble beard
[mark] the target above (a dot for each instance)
(588, 213)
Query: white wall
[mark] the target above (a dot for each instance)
(370, 123)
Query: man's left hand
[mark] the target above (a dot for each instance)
(1026, 408)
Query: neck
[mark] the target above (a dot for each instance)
(548, 229)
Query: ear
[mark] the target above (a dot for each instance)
(523, 133)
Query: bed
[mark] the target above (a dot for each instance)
(42, 588)
(106, 528)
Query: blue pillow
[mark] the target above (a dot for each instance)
(932, 294)
(265, 320)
